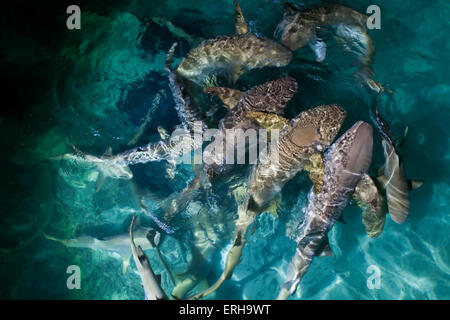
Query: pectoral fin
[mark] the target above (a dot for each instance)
(268, 121)
(170, 169)
(229, 97)
(241, 25)
(273, 206)
(125, 264)
(316, 171)
(414, 184)
(108, 152)
(100, 181)
(236, 72)
(325, 249)
(162, 133)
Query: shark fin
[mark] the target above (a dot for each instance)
(108, 152)
(229, 97)
(125, 264)
(273, 206)
(241, 25)
(373, 221)
(101, 176)
(236, 72)
(414, 184)
(381, 180)
(405, 134)
(326, 249)
(170, 168)
(316, 169)
(162, 133)
(154, 237)
(319, 47)
(255, 226)
(46, 236)
(380, 171)
(100, 181)
(268, 120)
(341, 219)
(289, 8)
(137, 222)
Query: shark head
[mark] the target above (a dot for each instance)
(295, 31)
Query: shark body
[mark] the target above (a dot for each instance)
(345, 163)
(233, 55)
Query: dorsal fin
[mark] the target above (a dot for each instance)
(241, 25)
(316, 168)
(325, 249)
(108, 152)
(162, 132)
(229, 97)
(414, 184)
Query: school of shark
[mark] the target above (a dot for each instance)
(336, 164)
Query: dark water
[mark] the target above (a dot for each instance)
(96, 86)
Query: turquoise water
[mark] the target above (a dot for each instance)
(95, 88)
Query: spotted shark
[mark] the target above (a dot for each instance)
(232, 55)
(150, 282)
(298, 29)
(345, 163)
(244, 111)
(310, 133)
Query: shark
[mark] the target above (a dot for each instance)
(298, 29)
(245, 109)
(168, 148)
(344, 165)
(388, 192)
(306, 136)
(150, 282)
(144, 237)
(232, 55)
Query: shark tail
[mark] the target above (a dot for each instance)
(286, 290)
(46, 236)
